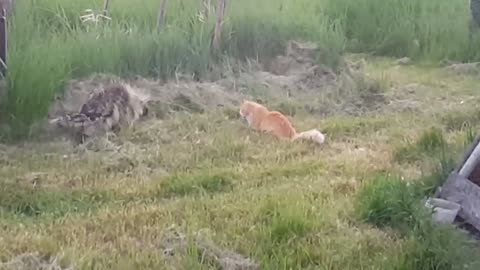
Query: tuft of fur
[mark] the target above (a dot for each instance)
(313, 135)
(115, 107)
(260, 118)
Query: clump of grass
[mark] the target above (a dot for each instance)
(182, 185)
(284, 236)
(287, 108)
(29, 202)
(431, 143)
(461, 120)
(338, 127)
(431, 246)
(406, 28)
(387, 201)
(284, 223)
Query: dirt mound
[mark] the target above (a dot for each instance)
(183, 95)
(298, 77)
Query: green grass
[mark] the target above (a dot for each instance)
(29, 202)
(388, 201)
(417, 29)
(49, 34)
(188, 185)
(286, 205)
(431, 143)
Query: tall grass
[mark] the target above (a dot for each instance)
(430, 30)
(49, 45)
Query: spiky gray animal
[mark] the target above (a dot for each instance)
(115, 107)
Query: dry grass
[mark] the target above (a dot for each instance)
(285, 205)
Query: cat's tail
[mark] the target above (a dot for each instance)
(313, 135)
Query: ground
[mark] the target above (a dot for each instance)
(106, 204)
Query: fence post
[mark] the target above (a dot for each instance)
(105, 7)
(217, 33)
(3, 38)
(161, 15)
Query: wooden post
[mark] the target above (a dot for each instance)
(217, 33)
(161, 15)
(3, 38)
(471, 161)
(105, 7)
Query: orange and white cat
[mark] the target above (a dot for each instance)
(260, 118)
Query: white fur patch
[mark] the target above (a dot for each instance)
(313, 135)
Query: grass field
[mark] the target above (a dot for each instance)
(49, 45)
(353, 203)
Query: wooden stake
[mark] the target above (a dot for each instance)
(161, 15)
(105, 7)
(217, 33)
(3, 38)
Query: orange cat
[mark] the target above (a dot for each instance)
(260, 118)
